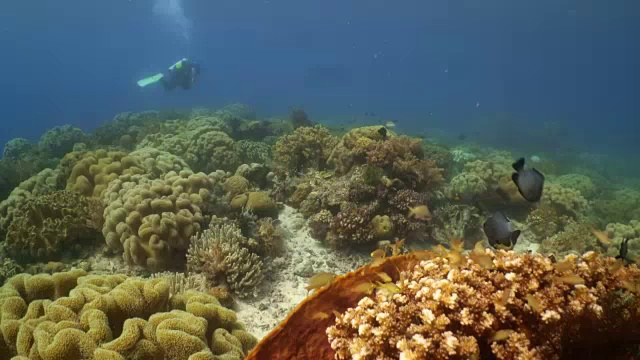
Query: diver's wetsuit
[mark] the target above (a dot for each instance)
(183, 74)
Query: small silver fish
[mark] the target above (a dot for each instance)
(530, 182)
(498, 230)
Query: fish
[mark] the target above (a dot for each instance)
(389, 288)
(396, 249)
(563, 265)
(390, 124)
(602, 237)
(571, 280)
(384, 277)
(480, 257)
(530, 182)
(624, 249)
(378, 254)
(383, 132)
(534, 303)
(498, 230)
(364, 288)
(319, 280)
(420, 212)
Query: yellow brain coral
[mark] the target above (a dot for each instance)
(151, 221)
(74, 316)
(515, 307)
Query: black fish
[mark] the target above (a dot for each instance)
(498, 230)
(624, 249)
(462, 137)
(383, 132)
(530, 182)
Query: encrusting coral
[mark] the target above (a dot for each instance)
(151, 221)
(75, 316)
(221, 254)
(45, 226)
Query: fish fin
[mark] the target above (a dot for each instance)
(503, 215)
(514, 177)
(538, 172)
(518, 165)
(514, 236)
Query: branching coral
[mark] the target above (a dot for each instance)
(307, 147)
(74, 316)
(151, 221)
(220, 253)
(45, 226)
(522, 307)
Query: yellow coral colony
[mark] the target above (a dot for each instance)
(75, 316)
(522, 307)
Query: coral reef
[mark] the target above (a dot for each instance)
(575, 238)
(220, 253)
(305, 148)
(44, 226)
(151, 221)
(520, 307)
(74, 316)
(60, 140)
(566, 201)
(16, 149)
(579, 182)
(618, 232)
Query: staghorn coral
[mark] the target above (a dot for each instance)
(74, 316)
(151, 221)
(60, 140)
(306, 147)
(220, 253)
(42, 227)
(441, 311)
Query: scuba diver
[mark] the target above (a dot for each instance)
(183, 73)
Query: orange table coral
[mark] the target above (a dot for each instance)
(515, 306)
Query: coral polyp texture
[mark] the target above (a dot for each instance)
(307, 147)
(518, 307)
(151, 221)
(73, 315)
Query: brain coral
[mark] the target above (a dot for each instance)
(221, 254)
(44, 226)
(92, 173)
(73, 316)
(151, 221)
(516, 307)
(60, 140)
(201, 143)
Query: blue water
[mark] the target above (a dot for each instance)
(496, 69)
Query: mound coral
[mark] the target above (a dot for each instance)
(253, 151)
(60, 140)
(44, 226)
(566, 201)
(618, 232)
(151, 221)
(93, 171)
(520, 307)
(221, 254)
(74, 316)
(307, 147)
(575, 238)
(16, 149)
(579, 182)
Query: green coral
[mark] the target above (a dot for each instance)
(253, 151)
(575, 238)
(16, 149)
(221, 254)
(466, 183)
(618, 232)
(73, 315)
(306, 147)
(566, 201)
(579, 182)
(44, 226)
(489, 172)
(60, 140)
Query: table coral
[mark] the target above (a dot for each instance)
(221, 254)
(74, 316)
(44, 226)
(151, 221)
(521, 308)
(306, 147)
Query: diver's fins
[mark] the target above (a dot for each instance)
(150, 80)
